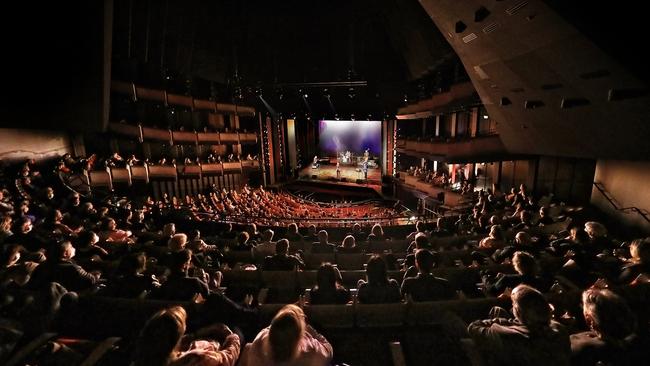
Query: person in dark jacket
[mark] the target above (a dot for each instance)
(180, 286)
(322, 245)
(282, 261)
(60, 268)
(378, 289)
(425, 286)
(328, 289)
(530, 338)
(612, 338)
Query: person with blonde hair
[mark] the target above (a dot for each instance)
(161, 342)
(288, 341)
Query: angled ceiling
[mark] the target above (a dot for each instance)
(553, 91)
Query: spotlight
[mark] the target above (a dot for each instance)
(306, 95)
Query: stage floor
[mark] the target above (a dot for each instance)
(349, 174)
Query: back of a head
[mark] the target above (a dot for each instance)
(424, 260)
(595, 229)
(282, 246)
(286, 331)
(292, 228)
(377, 230)
(267, 235)
(523, 238)
(608, 314)
(180, 259)
(530, 307)
(496, 233)
(640, 250)
(132, 264)
(177, 242)
(524, 263)
(159, 337)
(169, 229)
(323, 236)
(243, 237)
(421, 241)
(349, 242)
(326, 276)
(376, 270)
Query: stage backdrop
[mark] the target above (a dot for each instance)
(337, 137)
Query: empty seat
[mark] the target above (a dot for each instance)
(313, 261)
(331, 316)
(380, 315)
(351, 261)
(100, 178)
(121, 175)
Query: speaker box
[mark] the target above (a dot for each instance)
(314, 176)
(344, 179)
(359, 181)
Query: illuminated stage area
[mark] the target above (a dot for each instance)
(348, 174)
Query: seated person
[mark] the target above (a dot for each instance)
(531, 338)
(87, 247)
(544, 217)
(288, 341)
(612, 338)
(348, 245)
(281, 261)
(163, 342)
(130, 282)
(376, 233)
(242, 242)
(266, 247)
(328, 289)
(292, 233)
(494, 240)
(312, 234)
(378, 288)
(179, 285)
(526, 268)
(322, 245)
(424, 286)
(60, 268)
(639, 262)
(358, 234)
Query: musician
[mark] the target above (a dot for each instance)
(365, 169)
(338, 170)
(315, 163)
(366, 155)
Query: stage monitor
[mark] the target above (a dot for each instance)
(338, 137)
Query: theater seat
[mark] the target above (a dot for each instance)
(331, 316)
(380, 315)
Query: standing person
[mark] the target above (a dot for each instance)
(338, 170)
(365, 170)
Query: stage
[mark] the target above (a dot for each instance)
(349, 175)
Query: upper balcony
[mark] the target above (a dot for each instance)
(488, 146)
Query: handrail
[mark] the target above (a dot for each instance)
(238, 219)
(643, 213)
(139, 92)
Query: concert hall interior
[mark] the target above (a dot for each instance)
(341, 182)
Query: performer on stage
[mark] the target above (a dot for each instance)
(365, 169)
(315, 164)
(338, 170)
(366, 155)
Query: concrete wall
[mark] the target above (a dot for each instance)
(627, 183)
(21, 144)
